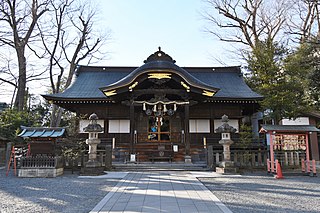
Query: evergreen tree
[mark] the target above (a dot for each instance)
(304, 64)
(280, 85)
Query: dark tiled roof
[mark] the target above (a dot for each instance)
(226, 80)
(289, 128)
(89, 79)
(229, 80)
(165, 66)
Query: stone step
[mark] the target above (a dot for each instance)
(160, 167)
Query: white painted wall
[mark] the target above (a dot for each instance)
(297, 121)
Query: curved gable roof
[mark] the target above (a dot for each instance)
(160, 62)
(90, 79)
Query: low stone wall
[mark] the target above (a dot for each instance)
(41, 166)
(40, 172)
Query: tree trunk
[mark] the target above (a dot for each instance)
(19, 103)
(56, 116)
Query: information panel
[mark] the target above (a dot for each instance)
(289, 142)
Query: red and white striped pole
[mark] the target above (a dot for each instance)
(308, 167)
(303, 166)
(276, 162)
(268, 165)
(314, 168)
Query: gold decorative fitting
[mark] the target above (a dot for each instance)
(110, 93)
(159, 75)
(133, 86)
(208, 93)
(185, 86)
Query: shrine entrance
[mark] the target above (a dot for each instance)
(159, 129)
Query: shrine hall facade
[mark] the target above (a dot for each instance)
(160, 111)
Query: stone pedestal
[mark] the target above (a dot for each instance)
(93, 166)
(92, 171)
(187, 159)
(226, 166)
(226, 149)
(93, 143)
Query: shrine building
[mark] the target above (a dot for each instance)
(159, 108)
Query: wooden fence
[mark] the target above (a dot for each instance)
(249, 159)
(256, 159)
(41, 162)
(103, 156)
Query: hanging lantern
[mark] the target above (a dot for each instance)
(175, 107)
(144, 107)
(165, 108)
(155, 108)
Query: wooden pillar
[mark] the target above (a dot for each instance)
(314, 144)
(307, 150)
(271, 152)
(186, 129)
(131, 126)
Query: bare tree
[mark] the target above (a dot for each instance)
(71, 41)
(18, 19)
(246, 21)
(305, 20)
(8, 79)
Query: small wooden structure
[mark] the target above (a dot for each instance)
(41, 160)
(289, 144)
(3, 145)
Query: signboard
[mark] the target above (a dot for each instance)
(175, 148)
(132, 158)
(289, 142)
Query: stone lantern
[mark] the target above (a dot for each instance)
(226, 166)
(93, 166)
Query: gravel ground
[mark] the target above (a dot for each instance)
(263, 193)
(246, 193)
(65, 193)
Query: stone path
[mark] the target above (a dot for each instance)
(160, 191)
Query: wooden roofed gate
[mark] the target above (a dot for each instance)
(290, 146)
(161, 111)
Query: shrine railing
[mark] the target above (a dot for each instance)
(41, 162)
(241, 158)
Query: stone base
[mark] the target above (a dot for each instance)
(92, 164)
(226, 167)
(92, 171)
(226, 164)
(187, 159)
(40, 172)
(229, 170)
(92, 168)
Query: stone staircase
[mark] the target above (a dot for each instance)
(159, 166)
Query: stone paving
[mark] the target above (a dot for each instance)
(160, 191)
